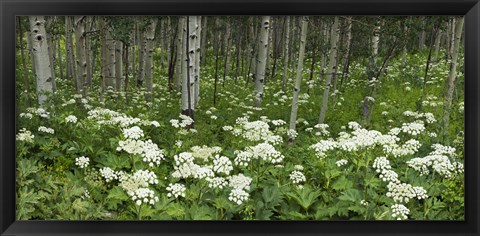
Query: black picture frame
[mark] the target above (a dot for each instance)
(11, 8)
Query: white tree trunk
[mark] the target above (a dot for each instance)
(81, 54)
(180, 54)
(331, 68)
(261, 60)
(148, 58)
(298, 79)
(453, 70)
(43, 73)
(286, 53)
(110, 60)
(192, 56)
(198, 56)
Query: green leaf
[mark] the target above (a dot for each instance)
(342, 183)
(351, 195)
(305, 197)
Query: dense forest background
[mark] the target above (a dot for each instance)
(240, 117)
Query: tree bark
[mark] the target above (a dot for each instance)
(26, 80)
(40, 55)
(180, 54)
(261, 61)
(298, 78)
(148, 58)
(198, 56)
(81, 55)
(453, 73)
(331, 68)
(286, 54)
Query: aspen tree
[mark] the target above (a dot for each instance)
(180, 54)
(43, 73)
(453, 72)
(331, 68)
(148, 57)
(286, 53)
(81, 54)
(261, 60)
(298, 78)
(70, 59)
(198, 55)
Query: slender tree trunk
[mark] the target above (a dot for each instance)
(346, 55)
(51, 52)
(269, 54)
(187, 67)
(425, 76)
(81, 54)
(141, 52)
(331, 67)
(71, 71)
(261, 61)
(237, 56)
(298, 78)
(226, 65)
(148, 58)
(104, 57)
(126, 46)
(216, 50)
(438, 39)
(111, 63)
(59, 57)
(197, 62)
(118, 65)
(40, 55)
(180, 53)
(286, 54)
(421, 39)
(453, 73)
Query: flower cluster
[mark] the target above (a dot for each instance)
(204, 152)
(266, 152)
(216, 182)
(238, 196)
(108, 174)
(176, 190)
(400, 212)
(239, 181)
(71, 119)
(143, 195)
(133, 133)
(46, 130)
(323, 146)
(414, 128)
(403, 192)
(25, 136)
(183, 122)
(186, 168)
(82, 161)
(297, 177)
(222, 164)
(148, 150)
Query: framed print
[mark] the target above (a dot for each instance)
(239, 117)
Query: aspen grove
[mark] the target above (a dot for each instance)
(239, 118)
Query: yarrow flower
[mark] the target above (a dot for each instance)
(176, 190)
(144, 196)
(82, 161)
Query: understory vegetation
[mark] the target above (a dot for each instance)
(383, 152)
